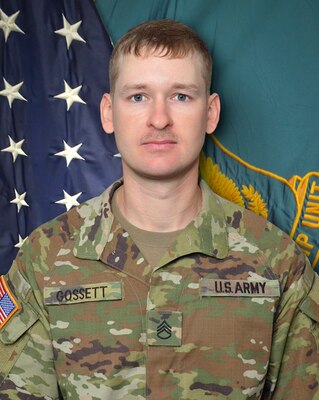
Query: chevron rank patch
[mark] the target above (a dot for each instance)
(8, 305)
(164, 328)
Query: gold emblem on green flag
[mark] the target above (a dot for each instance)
(291, 204)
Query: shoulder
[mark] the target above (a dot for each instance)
(64, 227)
(285, 261)
(273, 248)
(70, 222)
(38, 259)
(41, 254)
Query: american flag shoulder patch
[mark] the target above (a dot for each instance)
(8, 305)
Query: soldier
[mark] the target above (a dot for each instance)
(158, 288)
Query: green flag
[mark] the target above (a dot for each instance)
(266, 64)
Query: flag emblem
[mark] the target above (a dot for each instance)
(8, 305)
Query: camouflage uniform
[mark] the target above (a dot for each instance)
(230, 312)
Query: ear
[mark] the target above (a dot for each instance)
(213, 113)
(107, 113)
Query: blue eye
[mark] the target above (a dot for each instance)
(182, 97)
(137, 98)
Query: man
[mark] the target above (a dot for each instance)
(158, 289)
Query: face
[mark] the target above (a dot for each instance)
(159, 112)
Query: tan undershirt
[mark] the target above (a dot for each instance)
(151, 244)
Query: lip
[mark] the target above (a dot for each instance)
(156, 145)
(159, 142)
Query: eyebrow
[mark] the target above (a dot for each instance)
(129, 87)
(184, 86)
(177, 86)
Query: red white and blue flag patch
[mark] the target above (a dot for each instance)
(8, 305)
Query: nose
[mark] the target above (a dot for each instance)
(159, 117)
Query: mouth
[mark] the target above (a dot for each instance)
(159, 142)
(154, 145)
(159, 139)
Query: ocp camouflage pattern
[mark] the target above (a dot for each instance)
(230, 312)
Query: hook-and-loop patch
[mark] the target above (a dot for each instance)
(8, 305)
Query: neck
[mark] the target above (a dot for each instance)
(159, 206)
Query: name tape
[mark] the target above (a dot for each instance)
(83, 293)
(223, 287)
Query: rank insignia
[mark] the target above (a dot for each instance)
(164, 328)
(8, 305)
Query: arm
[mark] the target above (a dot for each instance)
(294, 368)
(26, 367)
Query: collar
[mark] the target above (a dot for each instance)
(97, 223)
(206, 234)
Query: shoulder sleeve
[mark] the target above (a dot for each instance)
(294, 368)
(310, 305)
(26, 367)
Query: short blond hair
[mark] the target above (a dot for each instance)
(166, 38)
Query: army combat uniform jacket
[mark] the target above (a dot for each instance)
(230, 312)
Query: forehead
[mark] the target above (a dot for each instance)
(154, 67)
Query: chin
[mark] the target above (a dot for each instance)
(165, 174)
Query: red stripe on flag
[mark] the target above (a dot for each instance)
(2, 290)
(2, 315)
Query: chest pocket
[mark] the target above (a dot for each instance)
(93, 328)
(231, 324)
(79, 319)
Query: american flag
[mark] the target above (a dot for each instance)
(8, 306)
(53, 151)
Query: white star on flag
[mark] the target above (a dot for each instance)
(19, 200)
(7, 24)
(70, 31)
(70, 153)
(45, 49)
(15, 149)
(20, 242)
(70, 95)
(69, 201)
(12, 92)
